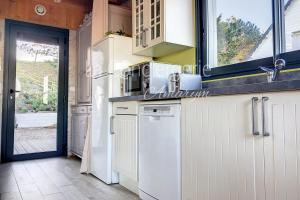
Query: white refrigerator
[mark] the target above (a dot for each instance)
(109, 58)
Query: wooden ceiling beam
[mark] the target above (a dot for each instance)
(117, 2)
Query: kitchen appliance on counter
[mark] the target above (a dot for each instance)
(109, 58)
(184, 82)
(160, 151)
(148, 78)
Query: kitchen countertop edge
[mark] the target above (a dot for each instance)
(280, 86)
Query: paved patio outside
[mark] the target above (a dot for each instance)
(34, 140)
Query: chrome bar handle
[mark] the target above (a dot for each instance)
(123, 108)
(144, 38)
(265, 127)
(254, 116)
(112, 125)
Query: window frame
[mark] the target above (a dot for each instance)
(249, 67)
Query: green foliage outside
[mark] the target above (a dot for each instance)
(30, 77)
(236, 40)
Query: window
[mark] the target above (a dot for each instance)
(292, 25)
(236, 37)
(295, 41)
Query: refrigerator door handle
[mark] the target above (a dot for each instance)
(112, 125)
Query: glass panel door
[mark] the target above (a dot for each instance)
(35, 98)
(36, 88)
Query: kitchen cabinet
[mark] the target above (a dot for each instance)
(81, 116)
(162, 27)
(120, 18)
(281, 149)
(99, 20)
(109, 18)
(223, 157)
(84, 89)
(125, 143)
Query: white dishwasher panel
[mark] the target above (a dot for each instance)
(160, 152)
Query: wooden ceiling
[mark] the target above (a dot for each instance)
(118, 2)
(60, 13)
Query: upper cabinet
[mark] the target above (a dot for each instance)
(110, 18)
(100, 20)
(84, 62)
(119, 19)
(162, 27)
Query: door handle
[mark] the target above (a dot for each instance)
(144, 39)
(12, 91)
(123, 108)
(265, 117)
(112, 125)
(254, 116)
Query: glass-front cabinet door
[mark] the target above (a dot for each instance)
(147, 23)
(139, 24)
(156, 21)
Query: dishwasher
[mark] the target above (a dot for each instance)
(160, 152)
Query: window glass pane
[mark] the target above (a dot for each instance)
(157, 30)
(292, 25)
(152, 33)
(158, 8)
(152, 11)
(238, 31)
(37, 67)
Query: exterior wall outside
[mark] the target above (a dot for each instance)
(72, 75)
(292, 25)
(265, 49)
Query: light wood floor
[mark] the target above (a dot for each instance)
(34, 140)
(54, 179)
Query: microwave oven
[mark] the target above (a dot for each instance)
(148, 78)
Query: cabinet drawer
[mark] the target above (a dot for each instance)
(81, 109)
(125, 108)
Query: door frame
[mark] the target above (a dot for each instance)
(7, 141)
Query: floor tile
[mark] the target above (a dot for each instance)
(32, 196)
(58, 196)
(55, 179)
(28, 188)
(47, 188)
(7, 188)
(10, 196)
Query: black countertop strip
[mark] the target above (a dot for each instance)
(286, 81)
(288, 85)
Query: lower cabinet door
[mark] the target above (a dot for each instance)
(74, 136)
(282, 147)
(125, 145)
(221, 158)
(79, 131)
